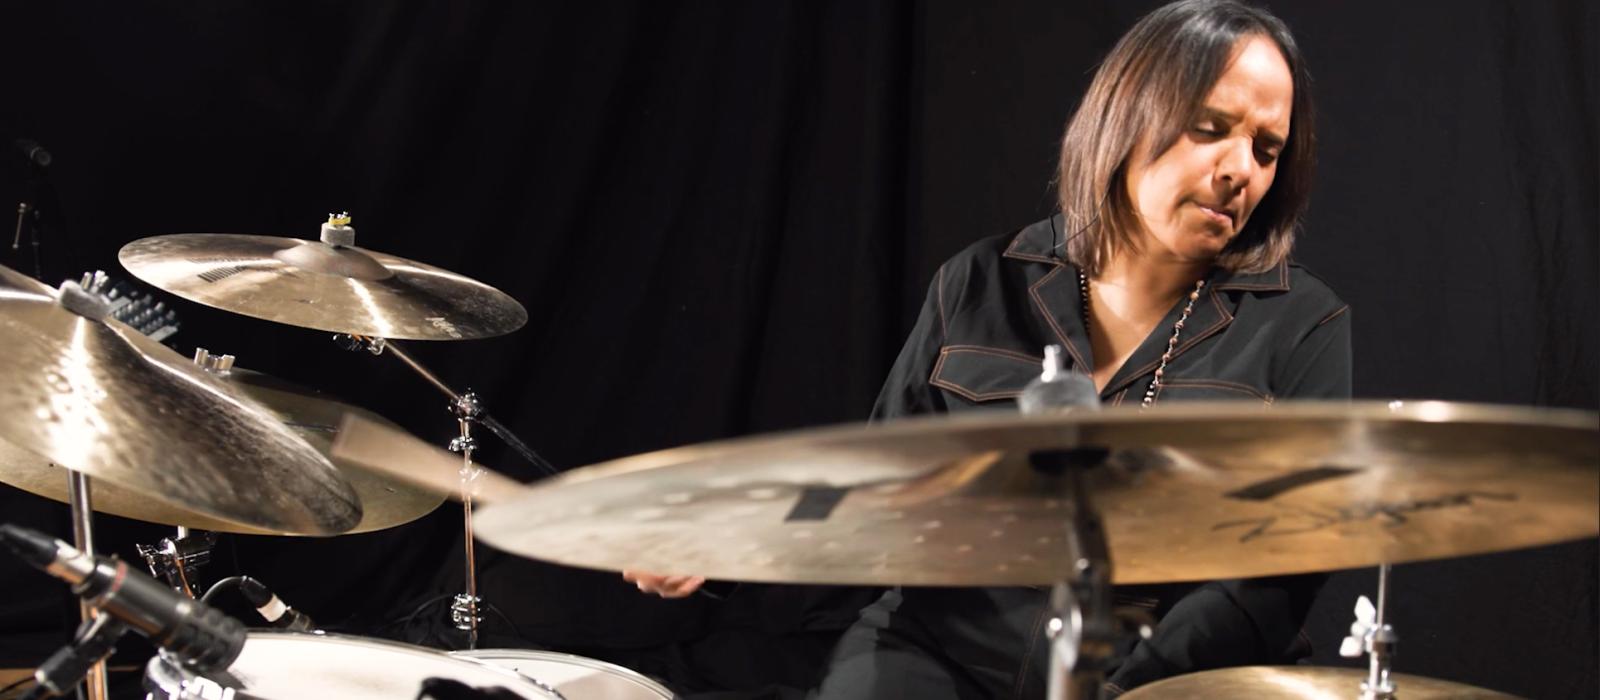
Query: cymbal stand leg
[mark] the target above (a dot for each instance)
(464, 609)
(79, 495)
(1084, 630)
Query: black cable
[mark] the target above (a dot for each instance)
(229, 582)
(505, 618)
(15, 684)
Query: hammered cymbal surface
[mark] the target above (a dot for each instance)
(1193, 491)
(311, 284)
(1301, 683)
(100, 398)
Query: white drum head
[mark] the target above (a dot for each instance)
(296, 666)
(576, 677)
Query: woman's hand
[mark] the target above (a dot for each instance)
(662, 585)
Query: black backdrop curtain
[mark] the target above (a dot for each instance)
(721, 218)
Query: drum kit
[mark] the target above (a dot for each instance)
(1075, 499)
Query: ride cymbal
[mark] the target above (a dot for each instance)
(312, 284)
(1300, 683)
(1191, 492)
(98, 397)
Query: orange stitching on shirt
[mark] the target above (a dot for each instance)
(964, 392)
(1198, 336)
(1044, 310)
(986, 350)
(1220, 384)
(944, 328)
(1334, 315)
(1027, 656)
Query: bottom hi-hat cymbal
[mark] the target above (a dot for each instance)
(1191, 492)
(385, 501)
(91, 394)
(1301, 683)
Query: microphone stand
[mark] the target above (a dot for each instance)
(93, 642)
(468, 409)
(28, 213)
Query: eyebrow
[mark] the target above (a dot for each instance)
(1268, 138)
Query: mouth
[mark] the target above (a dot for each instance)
(1222, 215)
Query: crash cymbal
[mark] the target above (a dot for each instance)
(100, 398)
(385, 501)
(1193, 492)
(312, 284)
(1300, 683)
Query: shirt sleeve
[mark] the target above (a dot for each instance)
(907, 391)
(1320, 366)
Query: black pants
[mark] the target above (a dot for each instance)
(966, 644)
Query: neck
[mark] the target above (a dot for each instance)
(1150, 280)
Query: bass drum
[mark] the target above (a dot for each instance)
(575, 677)
(297, 666)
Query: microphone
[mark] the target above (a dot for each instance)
(272, 608)
(36, 155)
(193, 631)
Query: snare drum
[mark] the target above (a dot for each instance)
(575, 677)
(297, 666)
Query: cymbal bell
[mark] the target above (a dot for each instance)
(98, 397)
(311, 284)
(1191, 492)
(1300, 683)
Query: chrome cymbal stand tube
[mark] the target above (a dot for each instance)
(79, 494)
(1372, 636)
(1085, 629)
(464, 610)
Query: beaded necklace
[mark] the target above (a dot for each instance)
(1172, 343)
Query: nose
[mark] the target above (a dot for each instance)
(1237, 163)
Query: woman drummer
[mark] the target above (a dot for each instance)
(1182, 178)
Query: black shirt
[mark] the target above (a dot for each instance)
(993, 307)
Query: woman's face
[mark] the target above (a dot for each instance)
(1197, 196)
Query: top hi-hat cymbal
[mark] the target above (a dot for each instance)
(315, 284)
(1191, 492)
(98, 397)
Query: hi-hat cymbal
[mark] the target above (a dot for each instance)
(1300, 683)
(312, 284)
(100, 398)
(1193, 492)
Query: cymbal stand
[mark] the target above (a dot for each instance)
(1372, 636)
(177, 559)
(80, 495)
(1084, 629)
(468, 409)
(84, 298)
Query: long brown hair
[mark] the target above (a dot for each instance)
(1151, 86)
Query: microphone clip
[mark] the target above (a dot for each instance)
(94, 641)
